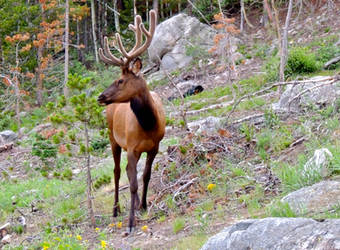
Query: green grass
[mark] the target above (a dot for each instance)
(178, 225)
(195, 241)
(279, 209)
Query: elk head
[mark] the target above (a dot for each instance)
(131, 82)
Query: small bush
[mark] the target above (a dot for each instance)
(300, 61)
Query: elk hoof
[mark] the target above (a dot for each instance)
(142, 206)
(130, 230)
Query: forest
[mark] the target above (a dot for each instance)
(251, 152)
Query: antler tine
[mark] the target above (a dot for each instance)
(138, 34)
(149, 34)
(139, 29)
(108, 57)
(121, 46)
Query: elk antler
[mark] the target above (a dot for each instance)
(139, 29)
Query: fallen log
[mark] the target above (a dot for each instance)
(332, 61)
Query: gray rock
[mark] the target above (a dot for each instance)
(8, 136)
(208, 124)
(172, 37)
(317, 198)
(317, 96)
(318, 164)
(279, 234)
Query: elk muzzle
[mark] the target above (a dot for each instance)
(102, 100)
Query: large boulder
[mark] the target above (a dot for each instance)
(316, 96)
(314, 199)
(7, 136)
(173, 36)
(278, 233)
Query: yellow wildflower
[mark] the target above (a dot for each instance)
(103, 243)
(145, 228)
(97, 229)
(79, 237)
(211, 186)
(119, 224)
(45, 247)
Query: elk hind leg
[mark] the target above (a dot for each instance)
(146, 176)
(116, 151)
(131, 170)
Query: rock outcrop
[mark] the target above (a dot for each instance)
(278, 233)
(318, 198)
(172, 37)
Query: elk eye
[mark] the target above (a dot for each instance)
(120, 81)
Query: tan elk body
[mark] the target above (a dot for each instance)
(135, 116)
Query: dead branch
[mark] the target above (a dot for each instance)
(183, 187)
(310, 89)
(278, 84)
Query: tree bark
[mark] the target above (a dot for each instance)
(284, 47)
(155, 7)
(134, 9)
(89, 179)
(94, 36)
(116, 16)
(66, 44)
(39, 77)
(242, 16)
(16, 87)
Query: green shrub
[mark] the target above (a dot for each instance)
(99, 144)
(300, 61)
(44, 148)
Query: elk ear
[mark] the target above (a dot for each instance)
(136, 66)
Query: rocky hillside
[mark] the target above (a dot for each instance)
(247, 162)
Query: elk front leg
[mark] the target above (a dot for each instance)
(116, 151)
(146, 176)
(133, 158)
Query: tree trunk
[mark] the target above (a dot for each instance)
(134, 8)
(89, 179)
(242, 16)
(85, 35)
(284, 47)
(147, 11)
(94, 36)
(80, 52)
(105, 19)
(155, 7)
(161, 9)
(66, 44)
(16, 87)
(116, 16)
(39, 77)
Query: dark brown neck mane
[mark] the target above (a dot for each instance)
(143, 109)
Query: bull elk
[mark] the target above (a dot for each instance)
(135, 116)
